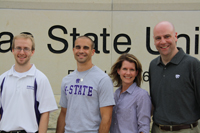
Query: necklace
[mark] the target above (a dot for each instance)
(78, 80)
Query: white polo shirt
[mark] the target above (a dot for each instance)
(18, 99)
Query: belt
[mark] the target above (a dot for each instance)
(176, 127)
(18, 131)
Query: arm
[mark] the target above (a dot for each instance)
(61, 121)
(144, 113)
(44, 120)
(106, 117)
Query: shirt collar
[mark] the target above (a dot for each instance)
(131, 88)
(176, 59)
(31, 71)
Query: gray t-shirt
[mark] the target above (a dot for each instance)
(83, 99)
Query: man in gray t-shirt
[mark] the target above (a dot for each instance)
(86, 94)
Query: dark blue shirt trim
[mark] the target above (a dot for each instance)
(37, 112)
(1, 109)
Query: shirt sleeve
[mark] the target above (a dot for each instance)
(144, 112)
(0, 92)
(63, 98)
(2, 79)
(106, 94)
(196, 82)
(45, 95)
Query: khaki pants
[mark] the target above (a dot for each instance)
(156, 129)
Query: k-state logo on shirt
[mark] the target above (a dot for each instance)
(177, 76)
(78, 90)
(30, 87)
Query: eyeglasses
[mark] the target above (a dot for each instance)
(26, 50)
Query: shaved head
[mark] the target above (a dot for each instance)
(163, 25)
(165, 39)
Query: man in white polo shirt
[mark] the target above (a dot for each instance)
(26, 96)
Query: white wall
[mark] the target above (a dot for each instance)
(128, 19)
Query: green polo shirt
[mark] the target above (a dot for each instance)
(175, 89)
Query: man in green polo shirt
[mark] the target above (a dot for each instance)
(174, 84)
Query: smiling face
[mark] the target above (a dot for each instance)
(23, 56)
(165, 39)
(83, 50)
(127, 73)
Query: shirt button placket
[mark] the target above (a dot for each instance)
(164, 72)
(18, 85)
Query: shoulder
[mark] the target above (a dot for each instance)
(40, 75)
(141, 92)
(2, 76)
(153, 63)
(190, 58)
(98, 73)
(191, 61)
(117, 91)
(98, 70)
(41, 79)
(100, 78)
(67, 79)
(155, 60)
(142, 97)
